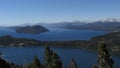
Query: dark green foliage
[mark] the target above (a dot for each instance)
(11, 41)
(4, 64)
(104, 59)
(73, 64)
(52, 60)
(47, 57)
(36, 63)
(111, 40)
(117, 66)
(56, 61)
(94, 66)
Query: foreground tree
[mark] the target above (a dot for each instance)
(4, 64)
(52, 60)
(47, 58)
(104, 58)
(36, 63)
(73, 64)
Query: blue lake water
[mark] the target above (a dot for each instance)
(84, 58)
(56, 34)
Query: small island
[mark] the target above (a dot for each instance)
(36, 29)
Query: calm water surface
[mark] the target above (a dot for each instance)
(56, 34)
(84, 58)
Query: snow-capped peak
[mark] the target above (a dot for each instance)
(112, 20)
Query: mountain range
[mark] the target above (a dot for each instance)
(103, 25)
(107, 25)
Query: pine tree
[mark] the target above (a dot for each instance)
(73, 64)
(47, 58)
(52, 60)
(56, 61)
(4, 64)
(104, 59)
(36, 63)
(117, 66)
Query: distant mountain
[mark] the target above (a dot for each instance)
(61, 24)
(107, 25)
(111, 20)
(14, 27)
(103, 25)
(36, 29)
(3, 27)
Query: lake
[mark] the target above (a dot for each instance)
(84, 58)
(55, 34)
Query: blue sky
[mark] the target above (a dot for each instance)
(15, 12)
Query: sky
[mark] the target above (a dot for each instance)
(16, 12)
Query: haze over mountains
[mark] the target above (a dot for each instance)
(61, 24)
(106, 25)
(103, 25)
